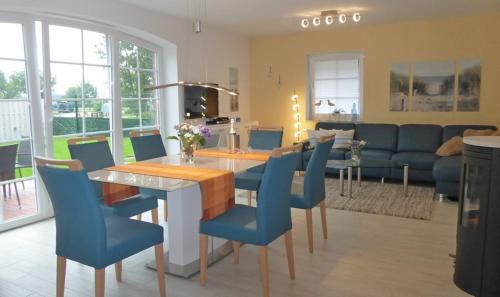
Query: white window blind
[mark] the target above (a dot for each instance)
(335, 86)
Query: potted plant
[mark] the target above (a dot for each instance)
(356, 148)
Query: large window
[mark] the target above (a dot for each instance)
(335, 86)
(17, 186)
(61, 79)
(80, 69)
(140, 108)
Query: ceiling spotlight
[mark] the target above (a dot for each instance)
(329, 19)
(342, 18)
(304, 23)
(356, 17)
(316, 21)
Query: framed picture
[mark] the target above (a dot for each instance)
(400, 87)
(234, 104)
(469, 85)
(433, 86)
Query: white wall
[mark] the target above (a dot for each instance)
(215, 49)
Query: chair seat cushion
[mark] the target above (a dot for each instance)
(238, 224)
(417, 160)
(126, 237)
(153, 192)
(298, 201)
(135, 205)
(448, 169)
(247, 180)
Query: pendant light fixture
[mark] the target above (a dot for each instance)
(197, 29)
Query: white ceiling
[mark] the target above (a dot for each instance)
(267, 17)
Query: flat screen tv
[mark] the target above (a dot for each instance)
(201, 102)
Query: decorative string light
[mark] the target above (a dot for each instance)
(296, 116)
(328, 16)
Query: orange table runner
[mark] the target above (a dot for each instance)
(255, 156)
(217, 186)
(112, 192)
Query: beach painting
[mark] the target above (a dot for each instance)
(433, 86)
(400, 87)
(469, 85)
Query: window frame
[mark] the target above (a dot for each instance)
(311, 60)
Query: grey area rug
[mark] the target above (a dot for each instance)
(377, 198)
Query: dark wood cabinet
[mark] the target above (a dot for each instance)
(477, 269)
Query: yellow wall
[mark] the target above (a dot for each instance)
(382, 45)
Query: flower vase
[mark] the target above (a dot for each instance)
(188, 152)
(355, 154)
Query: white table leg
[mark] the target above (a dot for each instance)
(185, 212)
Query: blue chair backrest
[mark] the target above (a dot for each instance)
(80, 227)
(273, 209)
(265, 139)
(148, 147)
(314, 180)
(94, 156)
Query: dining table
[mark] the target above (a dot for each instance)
(184, 200)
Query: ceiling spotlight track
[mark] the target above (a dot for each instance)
(329, 17)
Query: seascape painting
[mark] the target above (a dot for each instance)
(433, 86)
(400, 87)
(469, 85)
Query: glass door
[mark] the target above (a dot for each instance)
(18, 186)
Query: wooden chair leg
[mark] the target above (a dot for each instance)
(154, 216)
(236, 249)
(309, 224)
(99, 282)
(249, 197)
(165, 210)
(139, 217)
(264, 271)
(289, 254)
(322, 209)
(203, 259)
(160, 269)
(61, 276)
(118, 271)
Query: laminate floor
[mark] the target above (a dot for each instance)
(366, 255)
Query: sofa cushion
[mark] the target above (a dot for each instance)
(335, 125)
(372, 154)
(378, 136)
(417, 160)
(419, 138)
(458, 130)
(447, 169)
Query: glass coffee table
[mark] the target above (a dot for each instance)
(342, 165)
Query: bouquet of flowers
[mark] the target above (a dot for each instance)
(356, 148)
(189, 137)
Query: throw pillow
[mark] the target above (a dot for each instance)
(315, 135)
(472, 132)
(451, 148)
(343, 138)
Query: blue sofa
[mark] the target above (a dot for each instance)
(414, 144)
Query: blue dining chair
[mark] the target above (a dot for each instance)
(95, 154)
(148, 144)
(85, 235)
(312, 192)
(259, 225)
(260, 138)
